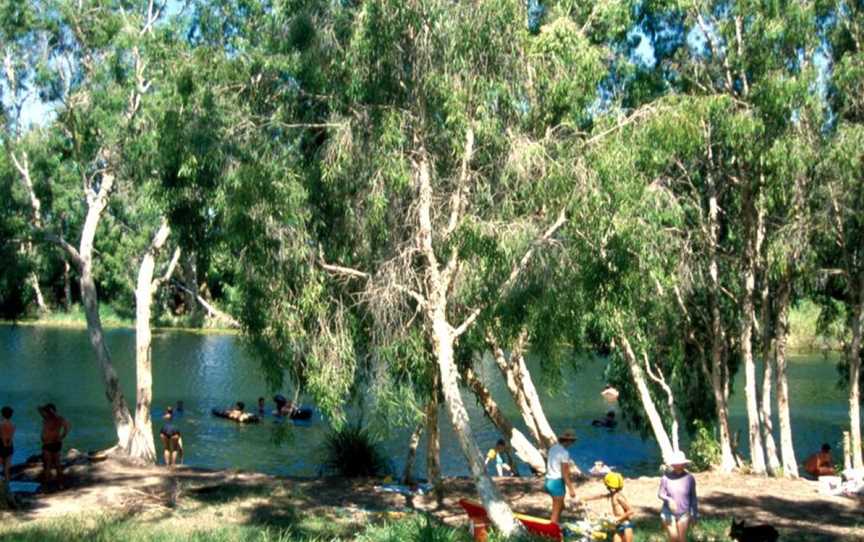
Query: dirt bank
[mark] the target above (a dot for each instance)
(113, 486)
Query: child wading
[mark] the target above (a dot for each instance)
(621, 510)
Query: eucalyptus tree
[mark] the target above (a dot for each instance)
(96, 69)
(841, 195)
(761, 57)
(386, 209)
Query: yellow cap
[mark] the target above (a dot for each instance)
(613, 480)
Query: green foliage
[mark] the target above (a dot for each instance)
(704, 447)
(351, 452)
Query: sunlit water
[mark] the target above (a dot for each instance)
(39, 365)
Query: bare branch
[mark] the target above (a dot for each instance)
(340, 270)
(71, 251)
(211, 310)
(172, 265)
(457, 200)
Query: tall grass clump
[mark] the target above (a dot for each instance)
(352, 452)
(414, 529)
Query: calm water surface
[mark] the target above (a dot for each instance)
(39, 365)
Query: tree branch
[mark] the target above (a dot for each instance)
(172, 265)
(516, 271)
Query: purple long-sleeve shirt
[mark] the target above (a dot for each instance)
(680, 488)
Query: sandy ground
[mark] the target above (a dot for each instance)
(113, 486)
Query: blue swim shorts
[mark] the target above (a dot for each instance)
(555, 487)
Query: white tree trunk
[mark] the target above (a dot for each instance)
(657, 376)
(90, 300)
(443, 336)
(781, 332)
(507, 371)
(526, 451)
(773, 461)
(648, 406)
(719, 374)
(854, 377)
(498, 510)
(548, 438)
(37, 291)
(757, 454)
(67, 286)
(141, 445)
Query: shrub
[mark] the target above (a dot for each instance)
(704, 449)
(352, 452)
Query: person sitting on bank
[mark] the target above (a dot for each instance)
(496, 454)
(820, 463)
(7, 434)
(54, 430)
(609, 421)
(172, 441)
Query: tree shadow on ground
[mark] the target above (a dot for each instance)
(795, 519)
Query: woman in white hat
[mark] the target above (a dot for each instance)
(678, 493)
(559, 473)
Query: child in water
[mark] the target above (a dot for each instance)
(621, 510)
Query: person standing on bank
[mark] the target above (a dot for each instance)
(560, 471)
(7, 434)
(172, 441)
(678, 493)
(54, 430)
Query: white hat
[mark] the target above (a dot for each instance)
(677, 458)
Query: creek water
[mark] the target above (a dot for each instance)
(44, 364)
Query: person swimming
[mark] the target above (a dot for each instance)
(609, 421)
(261, 406)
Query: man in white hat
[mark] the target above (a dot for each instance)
(559, 472)
(678, 493)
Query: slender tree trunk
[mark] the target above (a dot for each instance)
(781, 332)
(190, 278)
(651, 413)
(413, 442)
(526, 451)
(67, 286)
(719, 376)
(505, 366)
(855, 375)
(657, 376)
(37, 291)
(767, 382)
(90, 300)
(141, 445)
(548, 438)
(757, 453)
(433, 446)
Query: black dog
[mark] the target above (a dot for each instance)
(753, 533)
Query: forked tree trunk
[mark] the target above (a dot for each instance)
(548, 438)
(781, 332)
(648, 406)
(521, 387)
(498, 510)
(526, 451)
(855, 375)
(411, 457)
(657, 376)
(443, 336)
(767, 382)
(141, 445)
(190, 278)
(90, 300)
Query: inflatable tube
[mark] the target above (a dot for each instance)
(302, 413)
(247, 418)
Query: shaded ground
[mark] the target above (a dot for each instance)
(196, 499)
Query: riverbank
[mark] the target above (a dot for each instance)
(111, 500)
(112, 319)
